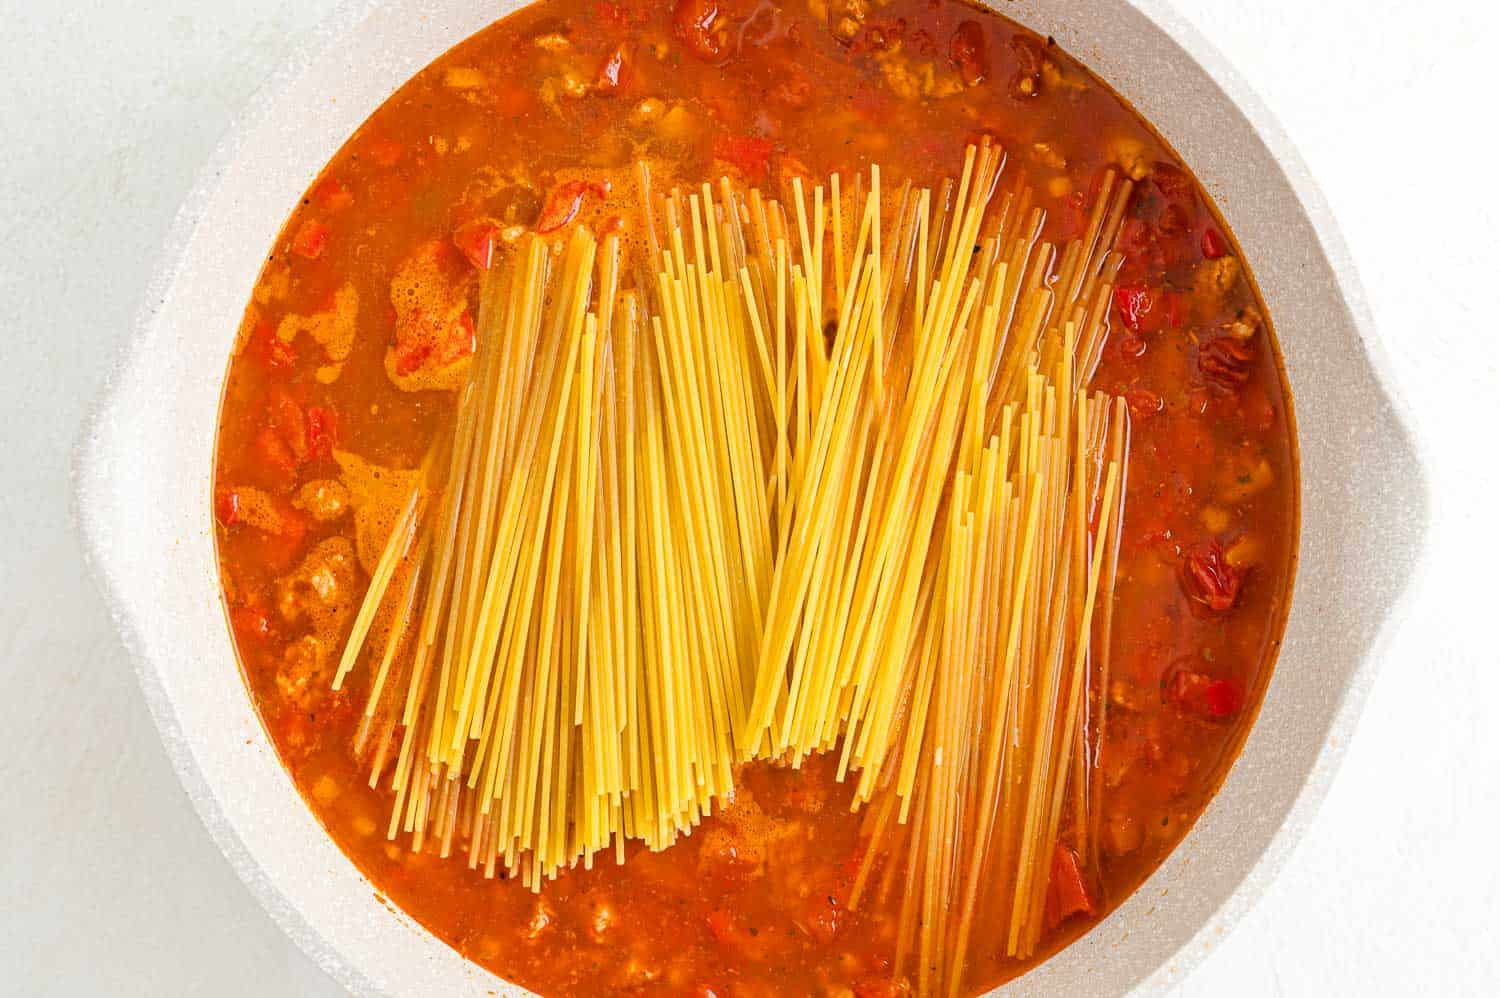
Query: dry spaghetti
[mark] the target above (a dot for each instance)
(815, 475)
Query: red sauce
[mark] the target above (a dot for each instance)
(474, 148)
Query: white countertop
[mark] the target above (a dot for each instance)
(111, 886)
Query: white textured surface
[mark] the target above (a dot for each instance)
(110, 882)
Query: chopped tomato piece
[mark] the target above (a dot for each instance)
(277, 355)
(1203, 697)
(693, 21)
(250, 622)
(1134, 303)
(227, 507)
(420, 338)
(747, 153)
(1067, 894)
(477, 241)
(1213, 244)
(332, 194)
(322, 431)
(611, 68)
(1223, 697)
(564, 202)
(967, 52)
(1210, 581)
(311, 238)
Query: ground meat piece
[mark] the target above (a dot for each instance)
(304, 674)
(1245, 324)
(333, 328)
(1216, 278)
(322, 590)
(434, 336)
(324, 498)
(912, 79)
(1130, 155)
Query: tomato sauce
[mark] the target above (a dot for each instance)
(369, 294)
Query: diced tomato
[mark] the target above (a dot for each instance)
(1134, 303)
(385, 151)
(1224, 698)
(693, 21)
(274, 353)
(749, 154)
(611, 68)
(564, 202)
(1211, 582)
(1202, 696)
(1067, 894)
(1213, 244)
(332, 194)
(968, 53)
(411, 352)
(611, 13)
(311, 238)
(281, 549)
(227, 507)
(477, 241)
(322, 432)
(419, 339)
(250, 623)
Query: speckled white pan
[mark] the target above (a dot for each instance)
(144, 495)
